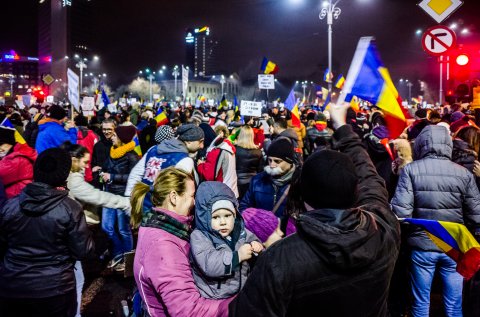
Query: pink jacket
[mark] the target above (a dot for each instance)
(164, 277)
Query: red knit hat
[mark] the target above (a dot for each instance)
(125, 133)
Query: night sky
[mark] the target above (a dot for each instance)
(130, 35)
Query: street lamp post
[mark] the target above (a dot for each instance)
(222, 82)
(175, 74)
(331, 11)
(81, 65)
(11, 81)
(150, 78)
(304, 86)
(409, 84)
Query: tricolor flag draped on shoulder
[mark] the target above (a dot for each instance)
(368, 79)
(455, 240)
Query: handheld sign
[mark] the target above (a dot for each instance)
(266, 82)
(251, 108)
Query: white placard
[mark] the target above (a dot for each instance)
(50, 99)
(88, 103)
(112, 108)
(251, 108)
(73, 86)
(156, 96)
(266, 81)
(20, 104)
(211, 102)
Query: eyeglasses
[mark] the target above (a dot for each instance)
(107, 130)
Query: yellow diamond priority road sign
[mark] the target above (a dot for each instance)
(48, 79)
(439, 10)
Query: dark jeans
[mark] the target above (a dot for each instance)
(56, 306)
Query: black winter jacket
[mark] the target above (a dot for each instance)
(249, 162)
(339, 263)
(463, 155)
(433, 187)
(119, 170)
(42, 233)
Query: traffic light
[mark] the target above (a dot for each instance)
(461, 66)
(39, 94)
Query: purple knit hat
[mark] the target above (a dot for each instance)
(261, 222)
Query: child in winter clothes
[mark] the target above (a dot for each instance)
(220, 244)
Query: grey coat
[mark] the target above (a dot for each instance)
(433, 187)
(217, 271)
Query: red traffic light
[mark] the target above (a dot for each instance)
(462, 59)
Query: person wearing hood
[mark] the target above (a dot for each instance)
(220, 244)
(16, 163)
(178, 152)
(162, 265)
(340, 261)
(466, 145)
(42, 234)
(268, 190)
(54, 129)
(433, 187)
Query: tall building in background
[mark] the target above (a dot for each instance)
(64, 30)
(200, 51)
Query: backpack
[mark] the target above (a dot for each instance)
(209, 170)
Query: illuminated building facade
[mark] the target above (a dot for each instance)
(18, 73)
(200, 51)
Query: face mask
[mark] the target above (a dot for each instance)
(3, 154)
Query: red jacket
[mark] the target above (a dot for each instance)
(87, 138)
(16, 169)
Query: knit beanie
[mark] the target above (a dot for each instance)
(282, 148)
(56, 112)
(381, 132)
(224, 204)
(52, 167)
(190, 132)
(164, 132)
(457, 115)
(7, 136)
(125, 133)
(261, 222)
(421, 113)
(329, 180)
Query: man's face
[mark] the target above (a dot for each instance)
(194, 146)
(108, 130)
(275, 110)
(277, 167)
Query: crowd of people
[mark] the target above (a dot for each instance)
(230, 215)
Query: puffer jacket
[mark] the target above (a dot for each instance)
(336, 256)
(52, 134)
(300, 131)
(216, 270)
(44, 232)
(119, 170)
(249, 163)
(433, 187)
(87, 138)
(16, 169)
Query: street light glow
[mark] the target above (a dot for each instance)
(418, 31)
(465, 31)
(95, 58)
(164, 67)
(76, 56)
(453, 26)
(325, 4)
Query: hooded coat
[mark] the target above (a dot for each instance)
(42, 233)
(216, 268)
(433, 187)
(16, 169)
(339, 263)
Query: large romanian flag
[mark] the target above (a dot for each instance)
(268, 67)
(292, 105)
(368, 79)
(456, 241)
(160, 117)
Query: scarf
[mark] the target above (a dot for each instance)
(285, 178)
(169, 224)
(120, 151)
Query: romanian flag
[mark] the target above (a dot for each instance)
(160, 117)
(292, 105)
(456, 241)
(328, 76)
(369, 80)
(268, 67)
(340, 82)
(7, 124)
(223, 104)
(327, 99)
(137, 148)
(355, 104)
